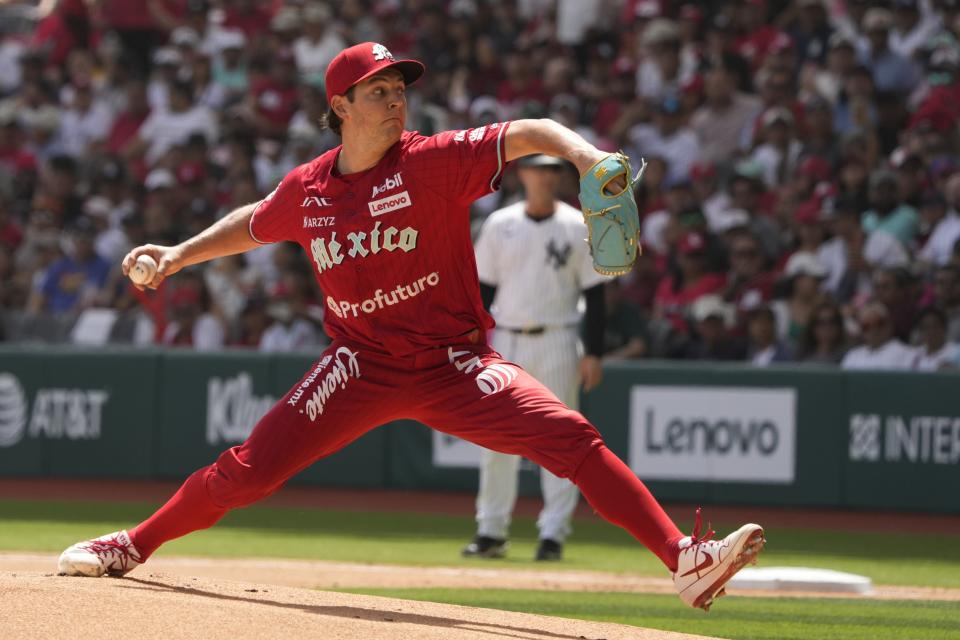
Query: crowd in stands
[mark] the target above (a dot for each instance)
(800, 202)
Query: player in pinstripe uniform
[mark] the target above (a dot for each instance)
(534, 265)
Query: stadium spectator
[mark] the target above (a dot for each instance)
(667, 137)
(934, 352)
(625, 335)
(803, 277)
(165, 128)
(825, 338)
(230, 66)
(779, 149)
(274, 98)
(129, 120)
(192, 324)
(942, 224)
(319, 43)
(73, 282)
(720, 122)
(946, 295)
(892, 70)
(763, 346)
(691, 280)
(896, 289)
(712, 339)
(86, 122)
(880, 348)
(749, 284)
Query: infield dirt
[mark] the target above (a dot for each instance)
(155, 606)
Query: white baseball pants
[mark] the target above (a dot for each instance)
(552, 358)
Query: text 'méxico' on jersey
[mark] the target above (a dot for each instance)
(391, 246)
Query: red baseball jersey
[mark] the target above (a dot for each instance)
(391, 246)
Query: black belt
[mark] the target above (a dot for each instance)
(526, 331)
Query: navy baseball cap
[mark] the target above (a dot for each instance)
(363, 60)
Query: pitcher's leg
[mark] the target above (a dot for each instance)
(483, 399)
(560, 497)
(325, 411)
(498, 493)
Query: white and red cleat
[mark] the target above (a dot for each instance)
(112, 554)
(705, 566)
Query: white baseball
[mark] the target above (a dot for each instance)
(143, 270)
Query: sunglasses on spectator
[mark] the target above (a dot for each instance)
(831, 320)
(745, 253)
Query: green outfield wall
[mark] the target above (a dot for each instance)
(704, 433)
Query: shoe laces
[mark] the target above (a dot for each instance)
(695, 538)
(111, 548)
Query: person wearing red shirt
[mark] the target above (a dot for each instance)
(384, 218)
(678, 291)
(759, 36)
(128, 121)
(248, 16)
(275, 98)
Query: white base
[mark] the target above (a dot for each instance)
(800, 579)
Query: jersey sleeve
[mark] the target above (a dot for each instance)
(274, 219)
(485, 249)
(461, 165)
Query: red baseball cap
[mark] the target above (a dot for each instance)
(809, 212)
(363, 60)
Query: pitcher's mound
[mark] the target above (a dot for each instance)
(158, 606)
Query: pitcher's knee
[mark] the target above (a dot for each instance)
(232, 482)
(563, 450)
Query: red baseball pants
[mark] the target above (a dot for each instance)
(467, 391)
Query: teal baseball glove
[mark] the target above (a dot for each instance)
(613, 224)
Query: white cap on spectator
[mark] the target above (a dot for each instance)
(159, 179)
(316, 12)
(730, 219)
(224, 39)
(43, 119)
(8, 112)
(647, 9)
(877, 18)
(805, 263)
(484, 104)
(661, 30)
(777, 114)
(167, 55)
(287, 19)
(97, 207)
(712, 306)
(185, 36)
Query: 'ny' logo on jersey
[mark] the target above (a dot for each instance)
(557, 256)
(380, 52)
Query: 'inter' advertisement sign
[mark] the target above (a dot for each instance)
(730, 434)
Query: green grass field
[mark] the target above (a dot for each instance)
(921, 560)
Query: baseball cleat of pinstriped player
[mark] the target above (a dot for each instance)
(705, 566)
(112, 554)
(486, 547)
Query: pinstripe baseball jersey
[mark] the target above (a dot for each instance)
(538, 267)
(390, 246)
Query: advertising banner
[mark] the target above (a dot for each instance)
(732, 434)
